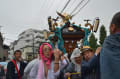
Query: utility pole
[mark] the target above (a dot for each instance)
(33, 44)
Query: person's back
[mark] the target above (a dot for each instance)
(110, 53)
(110, 57)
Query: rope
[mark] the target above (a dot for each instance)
(76, 7)
(65, 6)
(81, 8)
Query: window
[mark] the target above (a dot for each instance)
(27, 40)
(27, 35)
(37, 42)
(35, 31)
(38, 36)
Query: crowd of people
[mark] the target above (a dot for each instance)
(51, 63)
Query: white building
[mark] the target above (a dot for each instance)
(28, 42)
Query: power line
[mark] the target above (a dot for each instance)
(53, 7)
(76, 7)
(81, 8)
(50, 6)
(72, 4)
(59, 5)
(43, 5)
(65, 6)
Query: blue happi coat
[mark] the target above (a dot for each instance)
(110, 57)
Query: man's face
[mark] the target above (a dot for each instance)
(78, 59)
(18, 56)
(88, 55)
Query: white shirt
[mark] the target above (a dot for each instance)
(18, 66)
(51, 73)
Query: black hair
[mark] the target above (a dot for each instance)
(116, 20)
(17, 51)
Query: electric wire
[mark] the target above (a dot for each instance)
(65, 6)
(81, 8)
(77, 7)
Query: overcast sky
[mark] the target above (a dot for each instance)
(19, 15)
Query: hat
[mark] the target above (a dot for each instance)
(86, 48)
(76, 53)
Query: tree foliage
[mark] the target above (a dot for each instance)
(93, 41)
(103, 34)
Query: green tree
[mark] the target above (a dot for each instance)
(103, 34)
(93, 41)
